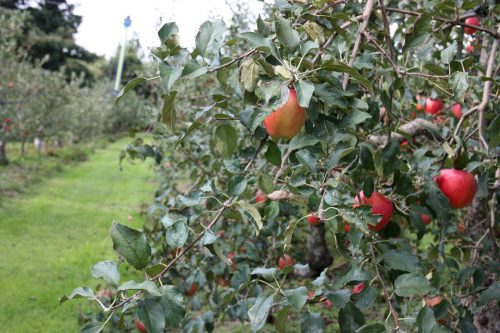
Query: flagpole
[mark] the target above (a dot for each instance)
(119, 70)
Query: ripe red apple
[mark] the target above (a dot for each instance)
(313, 219)
(310, 294)
(347, 227)
(380, 206)
(469, 49)
(140, 326)
(287, 120)
(358, 288)
(474, 20)
(420, 103)
(192, 290)
(456, 109)
(426, 219)
(260, 196)
(458, 186)
(328, 304)
(413, 115)
(433, 106)
(221, 234)
(285, 261)
(433, 301)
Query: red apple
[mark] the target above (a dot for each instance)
(433, 106)
(469, 49)
(310, 294)
(221, 233)
(474, 20)
(358, 288)
(192, 290)
(383, 111)
(456, 109)
(380, 206)
(260, 196)
(433, 301)
(347, 227)
(285, 261)
(413, 115)
(420, 103)
(313, 219)
(458, 186)
(328, 304)
(426, 219)
(140, 326)
(287, 120)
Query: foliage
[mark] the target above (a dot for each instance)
(357, 76)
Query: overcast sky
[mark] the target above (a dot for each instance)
(102, 20)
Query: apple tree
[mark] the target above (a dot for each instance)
(333, 170)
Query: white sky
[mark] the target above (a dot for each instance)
(102, 28)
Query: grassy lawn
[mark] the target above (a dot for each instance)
(51, 237)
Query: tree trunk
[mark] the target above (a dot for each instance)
(23, 146)
(318, 256)
(3, 153)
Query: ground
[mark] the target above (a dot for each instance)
(51, 236)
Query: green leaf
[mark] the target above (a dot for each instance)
(354, 274)
(305, 91)
(458, 83)
(307, 159)
(193, 69)
(259, 311)
(379, 164)
(337, 155)
(169, 75)
(168, 115)
(260, 43)
(312, 322)
(448, 53)
(340, 297)
(209, 37)
(308, 46)
(254, 212)
(315, 31)
(236, 185)
(437, 200)
(249, 74)
(226, 139)
(400, 260)
(426, 321)
(177, 235)
(281, 319)
(151, 314)
(266, 183)
(366, 298)
(94, 327)
(273, 153)
(354, 118)
(412, 284)
(297, 297)
(287, 238)
(167, 30)
(194, 198)
(131, 244)
(81, 292)
(266, 273)
(172, 302)
(337, 66)
(287, 35)
(350, 319)
(170, 218)
(490, 294)
(107, 270)
(420, 32)
(147, 285)
(302, 140)
(129, 86)
(372, 328)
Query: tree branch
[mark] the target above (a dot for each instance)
(486, 90)
(442, 19)
(366, 16)
(415, 127)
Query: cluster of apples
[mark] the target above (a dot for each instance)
(435, 106)
(458, 186)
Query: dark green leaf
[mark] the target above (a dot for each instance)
(458, 83)
(302, 140)
(254, 213)
(350, 319)
(419, 33)
(151, 314)
(305, 91)
(193, 198)
(176, 235)
(209, 37)
(226, 139)
(337, 66)
(259, 311)
(107, 270)
(249, 74)
(307, 159)
(296, 297)
(426, 321)
(273, 153)
(337, 155)
(490, 294)
(412, 284)
(167, 30)
(81, 292)
(448, 53)
(168, 115)
(339, 297)
(312, 322)
(169, 75)
(236, 185)
(354, 118)
(404, 261)
(287, 35)
(372, 328)
(129, 86)
(94, 327)
(131, 244)
(147, 285)
(266, 273)
(173, 305)
(281, 319)
(266, 183)
(437, 200)
(260, 43)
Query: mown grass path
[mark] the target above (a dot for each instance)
(50, 238)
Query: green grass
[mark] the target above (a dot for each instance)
(51, 237)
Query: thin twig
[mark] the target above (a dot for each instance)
(386, 294)
(486, 90)
(284, 163)
(238, 58)
(372, 40)
(387, 32)
(366, 16)
(442, 19)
